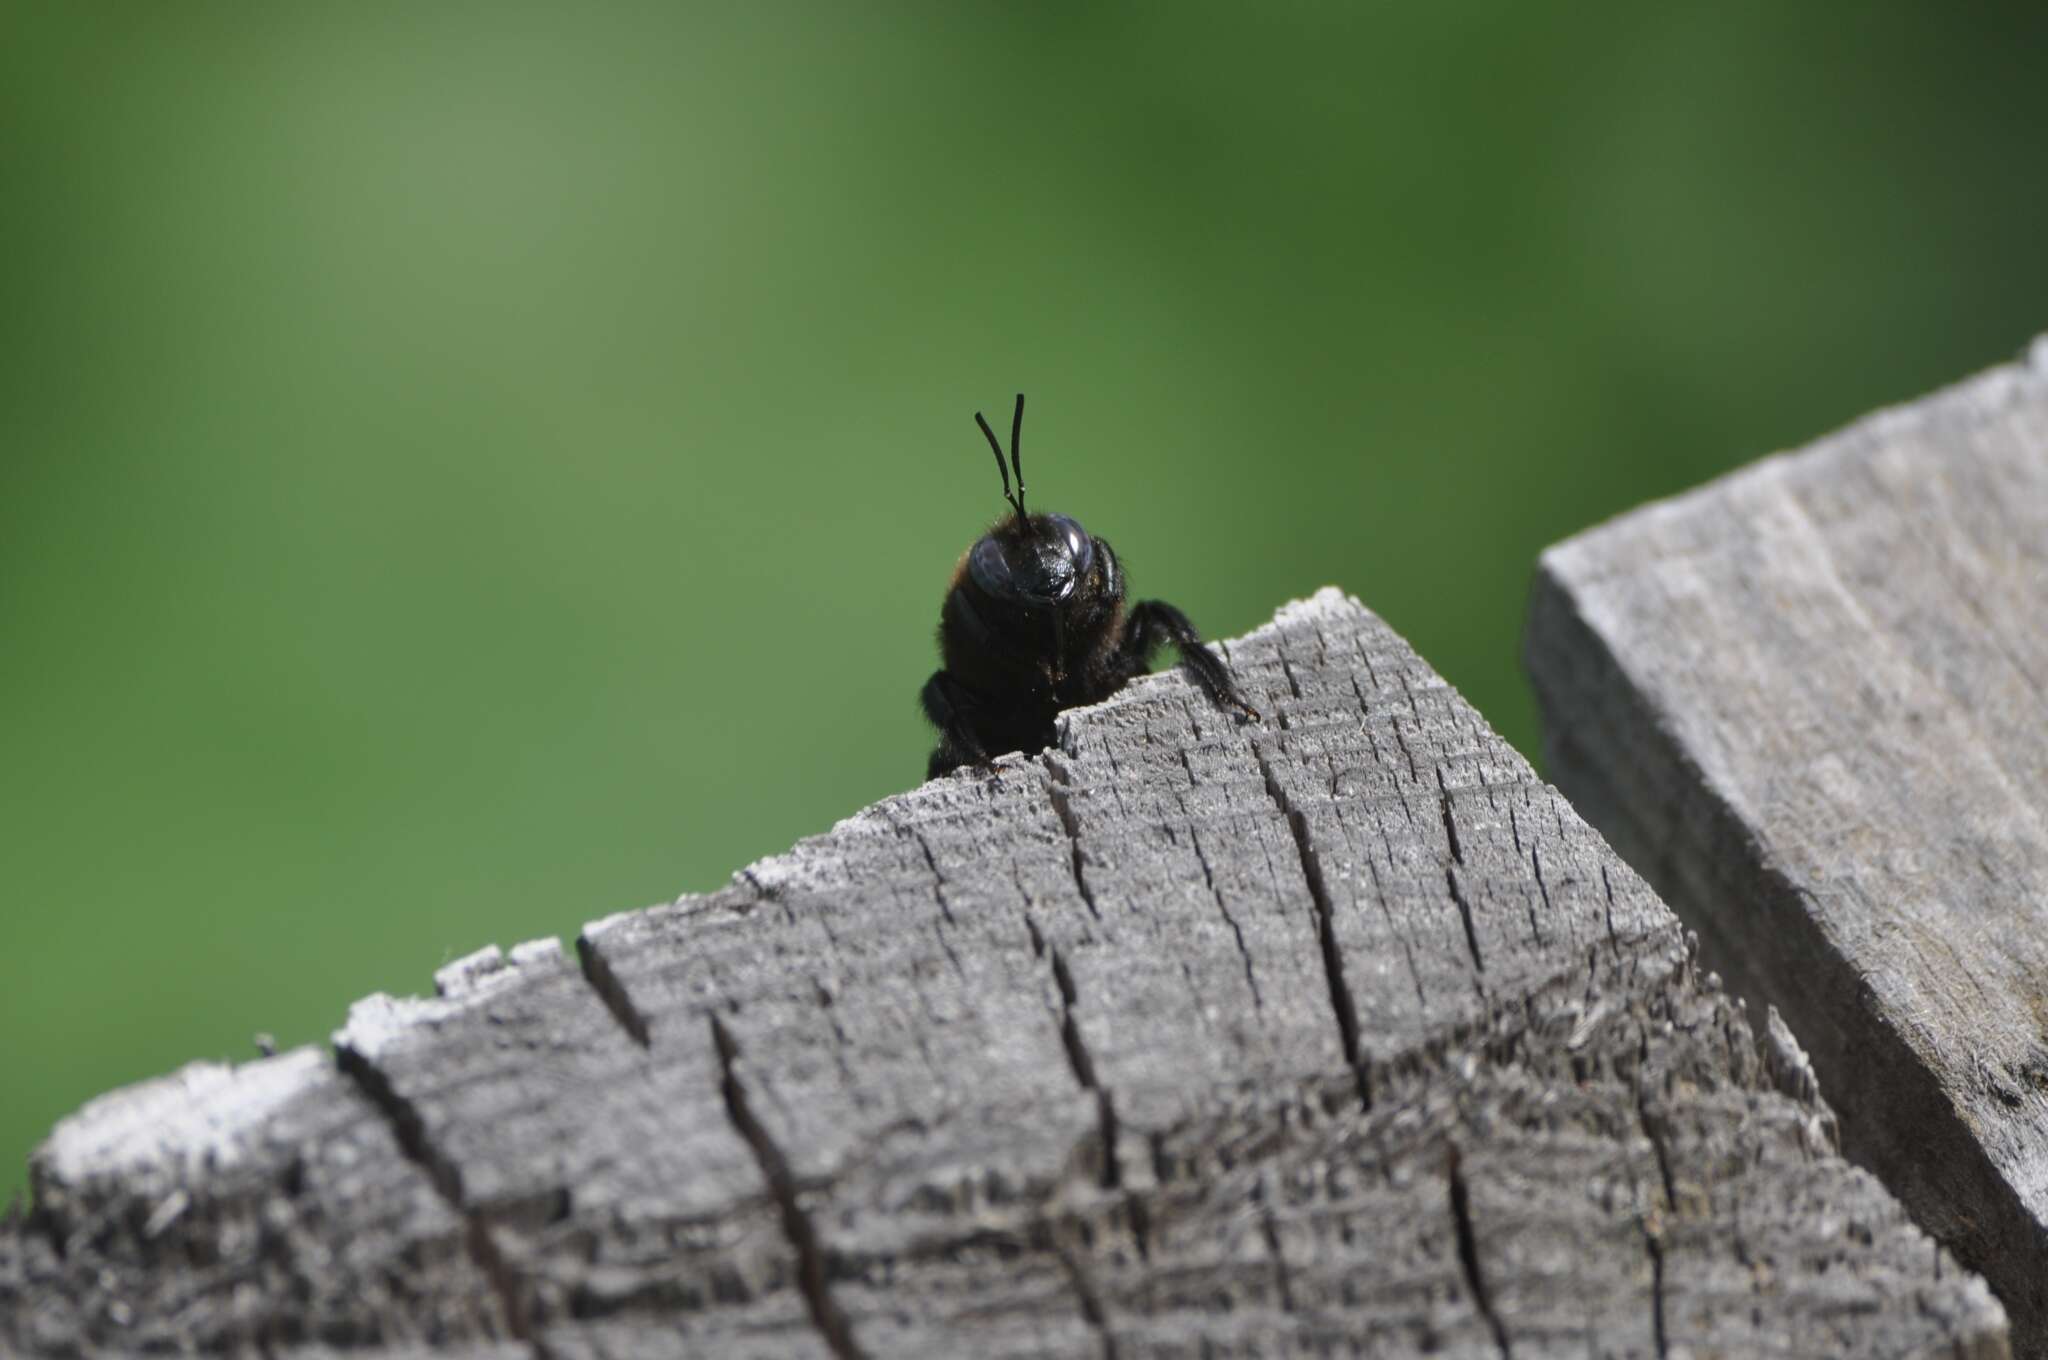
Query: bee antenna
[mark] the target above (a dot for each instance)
(1016, 431)
(1016, 501)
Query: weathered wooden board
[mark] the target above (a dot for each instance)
(1810, 702)
(1339, 1034)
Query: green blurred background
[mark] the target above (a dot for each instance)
(466, 470)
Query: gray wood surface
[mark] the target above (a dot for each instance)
(1339, 1034)
(1810, 702)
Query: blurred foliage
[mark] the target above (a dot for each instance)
(465, 469)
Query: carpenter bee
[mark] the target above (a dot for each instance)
(1033, 623)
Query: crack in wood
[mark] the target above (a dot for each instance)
(1379, 894)
(1237, 931)
(1342, 1004)
(1457, 890)
(1141, 1223)
(1656, 1136)
(1058, 790)
(1651, 1224)
(766, 893)
(1443, 803)
(1468, 1250)
(831, 1322)
(1401, 740)
(1283, 1281)
(938, 879)
(1365, 659)
(410, 1130)
(41, 1220)
(597, 971)
(1654, 1241)
(1293, 685)
(1082, 1062)
(1542, 887)
(1092, 1311)
(1070, 1031)
(1607, 886)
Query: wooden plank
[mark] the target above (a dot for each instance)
(1339, 1033)
(1810, 702)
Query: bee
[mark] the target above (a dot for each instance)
(1034, 622)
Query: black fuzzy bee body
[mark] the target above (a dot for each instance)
(1035, 622)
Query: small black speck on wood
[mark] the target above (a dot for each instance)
(1340, 1034)
(1810, 701)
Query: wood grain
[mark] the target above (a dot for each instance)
(1336, 1034)
(1810, 702)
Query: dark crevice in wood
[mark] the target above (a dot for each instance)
(1401, 740)
(826, 1315)
(1653, 1240)
(1468, 1250)
(1607, 885)
(1342, 1003)
(446, 1178)
(1105, 1111)
(1443, 804)
(1082, 1062)
(938, 881)
(42, 1220)
(1365, 659)
(1141, 1223)
(1237, 931)
(1471, 934)
(1655, 1134)
(1056, 787)
(1322, 646)
(764, 893)
(1283, 1281)
(1652, 1225)
(1092, 1311)
(1365, 707)
(1379, 893)
(597, 971)
(1543, 889)
(1078, 1057)
(1287, 669)
(1070, 1030)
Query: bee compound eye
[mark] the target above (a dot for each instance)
(1078, 546)
(989, 565)
(1039, 567)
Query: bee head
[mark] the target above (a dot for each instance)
(1035, 560)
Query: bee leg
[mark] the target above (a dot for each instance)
(1152, 622)
(949, 706)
